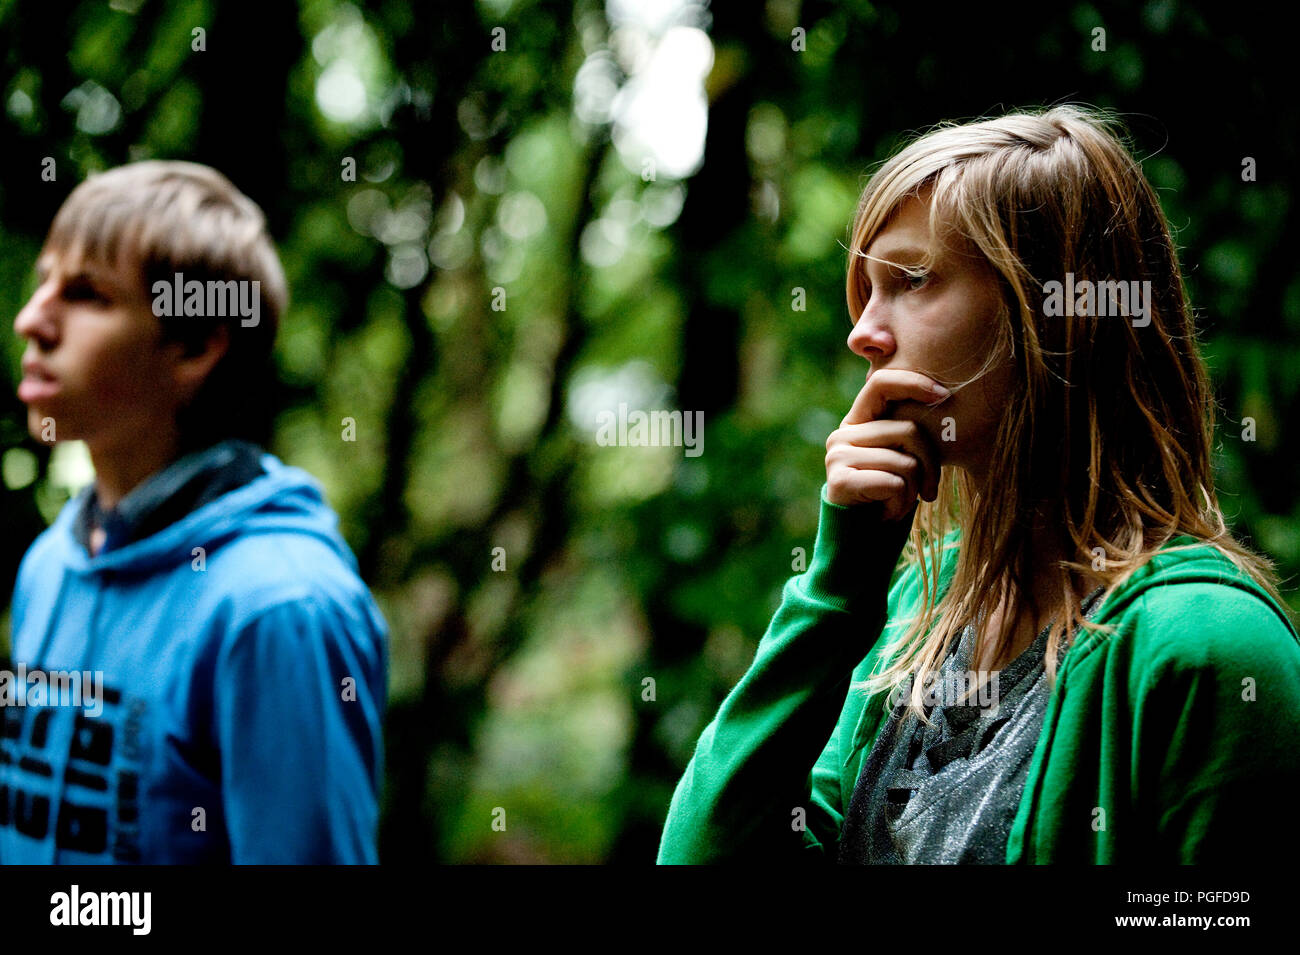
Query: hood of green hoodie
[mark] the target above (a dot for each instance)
(1185, 560)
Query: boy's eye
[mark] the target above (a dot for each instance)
(83, 291)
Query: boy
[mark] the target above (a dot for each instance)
(231, 664)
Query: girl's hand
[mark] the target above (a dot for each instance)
(870, 457)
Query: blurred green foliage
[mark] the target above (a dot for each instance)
(483, 169)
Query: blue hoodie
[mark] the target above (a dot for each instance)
(233, 694)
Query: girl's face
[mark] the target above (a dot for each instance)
(941, 324)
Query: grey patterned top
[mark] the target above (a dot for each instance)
(949, 793)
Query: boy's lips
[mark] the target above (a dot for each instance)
(30, 390)
(37, 384)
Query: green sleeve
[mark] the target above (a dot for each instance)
(773, 748)
(1215, 726)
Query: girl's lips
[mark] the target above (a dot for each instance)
(37, 389)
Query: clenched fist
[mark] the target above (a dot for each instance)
(870, 457)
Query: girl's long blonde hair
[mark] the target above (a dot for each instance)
(1108, 432)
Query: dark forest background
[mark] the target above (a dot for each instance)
(635, 262)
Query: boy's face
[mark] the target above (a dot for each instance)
(95, 361)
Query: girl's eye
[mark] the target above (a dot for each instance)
(921, 277)
(913, 282)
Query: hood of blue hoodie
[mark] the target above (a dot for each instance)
(285, 499)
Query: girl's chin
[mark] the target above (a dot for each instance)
(939, 426)
(933, 421)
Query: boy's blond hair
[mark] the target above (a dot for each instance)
(165, 217)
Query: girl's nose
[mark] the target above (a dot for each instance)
(870, 339)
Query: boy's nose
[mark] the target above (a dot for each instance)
(36, 320)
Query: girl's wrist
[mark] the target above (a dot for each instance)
(855, 553)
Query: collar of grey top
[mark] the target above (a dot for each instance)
(964, 648)
(971, 824)
(1027, 662)
(963, 729)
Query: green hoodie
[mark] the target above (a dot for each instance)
(1172, 740)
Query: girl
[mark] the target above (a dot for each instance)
(1074, 660)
